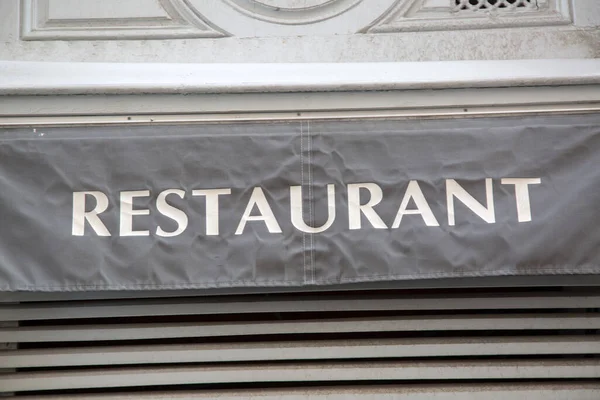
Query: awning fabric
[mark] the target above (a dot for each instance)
(290, 204)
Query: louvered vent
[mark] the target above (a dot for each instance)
(493, 4)
(490, 345)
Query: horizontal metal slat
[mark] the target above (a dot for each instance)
(570, 282)
(103, 309)
(546, 391)
(305, 350)
(74, 333)
(317, 372)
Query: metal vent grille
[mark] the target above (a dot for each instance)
(410, 344)
(492, 4)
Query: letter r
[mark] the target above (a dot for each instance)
(80, 215)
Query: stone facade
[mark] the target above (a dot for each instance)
(231, 31)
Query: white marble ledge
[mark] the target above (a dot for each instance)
(61, 78)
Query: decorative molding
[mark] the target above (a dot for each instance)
(501, 5)
(148, 19)
(293, 12)
(280, 18)
(169, 19)
(430, 15)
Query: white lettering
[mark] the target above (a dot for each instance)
(212, 208)
(296, 210)
(127, 212)
(80, 215)
(357, 211)
(355, 208)
(522, 195)
(258, 199)
(172, 212)
(413, 191)
(453, 189)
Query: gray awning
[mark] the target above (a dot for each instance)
(289, 204)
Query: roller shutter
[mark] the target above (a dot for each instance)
(534, 343)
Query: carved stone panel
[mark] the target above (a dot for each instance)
(112, 19)
(428, 15)
(168, 19)
(252, 18)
